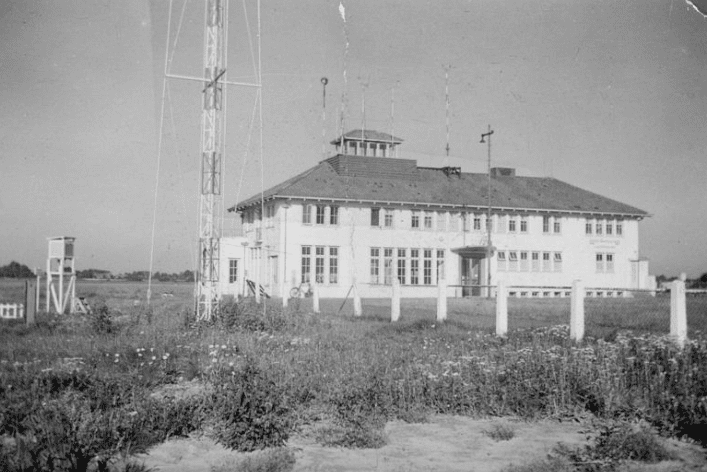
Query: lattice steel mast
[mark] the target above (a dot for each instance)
(211, 196)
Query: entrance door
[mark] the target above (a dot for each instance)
(470, 276)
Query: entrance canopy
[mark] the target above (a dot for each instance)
(476, 252)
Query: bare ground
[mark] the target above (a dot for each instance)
(445, 443)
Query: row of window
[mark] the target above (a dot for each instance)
(325, 260)
(320, 214)
(529, 261)
(429, 220)
(412, 266)
(604, 228)
(605, 263)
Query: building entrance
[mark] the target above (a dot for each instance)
(471, 276)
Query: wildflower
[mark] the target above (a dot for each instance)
(154, 358)
(224, 347)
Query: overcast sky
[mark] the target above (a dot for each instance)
(606, 95)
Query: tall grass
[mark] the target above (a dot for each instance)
(262, 374)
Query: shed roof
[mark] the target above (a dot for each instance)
(400, 181)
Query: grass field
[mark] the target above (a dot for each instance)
(80, 390)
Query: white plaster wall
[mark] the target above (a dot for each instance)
(285, 234)
(232, 248)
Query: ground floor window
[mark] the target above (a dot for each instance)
(514, 261)
(333, 265)
(306, 264)
(232, 271)
(604, 263)
(326, 264)
(412, 266)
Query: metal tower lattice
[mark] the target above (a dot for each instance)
(211, 197)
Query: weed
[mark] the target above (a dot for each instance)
(278, 459)
(614, 443)
(250, 411)
(500, 432)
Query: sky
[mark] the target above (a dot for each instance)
(606, 95)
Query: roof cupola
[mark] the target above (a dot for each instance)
(367, 143)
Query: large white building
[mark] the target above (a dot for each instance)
(363, 216)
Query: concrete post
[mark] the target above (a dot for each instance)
(652, 284)
(315, 298)
(441, 299)
(678, 313)
(395, 301)
(501, 309)
(285, 295)
(577, 311)
(30, 300)
(358, 311)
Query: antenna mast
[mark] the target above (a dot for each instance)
(446, 93)
(211, 197)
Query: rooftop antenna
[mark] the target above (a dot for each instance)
(342, 13)
(392, 120)
(489, 247)
(446, 93)
(324, 81)
(364, 86)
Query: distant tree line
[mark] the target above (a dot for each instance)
(15, 270)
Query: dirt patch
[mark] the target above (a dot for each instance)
(445, 443)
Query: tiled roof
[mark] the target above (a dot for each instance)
(391, 181)
(368, 135)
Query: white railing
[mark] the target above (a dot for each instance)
(12, 311)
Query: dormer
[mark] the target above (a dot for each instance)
(366, 143)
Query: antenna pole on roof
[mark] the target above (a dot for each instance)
(392, 122)
(446, 93)
(489, 247)
(325, 81)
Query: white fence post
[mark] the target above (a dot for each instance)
(285, 296)
(577, 311)
(315, 298)
(501, 309)
(678, 313)
(441, 299)
(395, 301)
(357, 300)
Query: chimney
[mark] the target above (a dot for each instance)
(503, 172)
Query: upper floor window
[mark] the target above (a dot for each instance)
(546, 224)
(588, 226)
(388, 218)
(511, 224)
(619, 228)
(557, 226)
(307, 214)
(334, 215)
(599, 228)
(415, 221)
(477, 222)
(321, 210)
(428, 220)
(609, 228)
(523, 224)
(375, 216)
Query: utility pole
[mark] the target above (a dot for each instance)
(489, 247)
(211, 197)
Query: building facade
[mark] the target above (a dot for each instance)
(366, 218)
